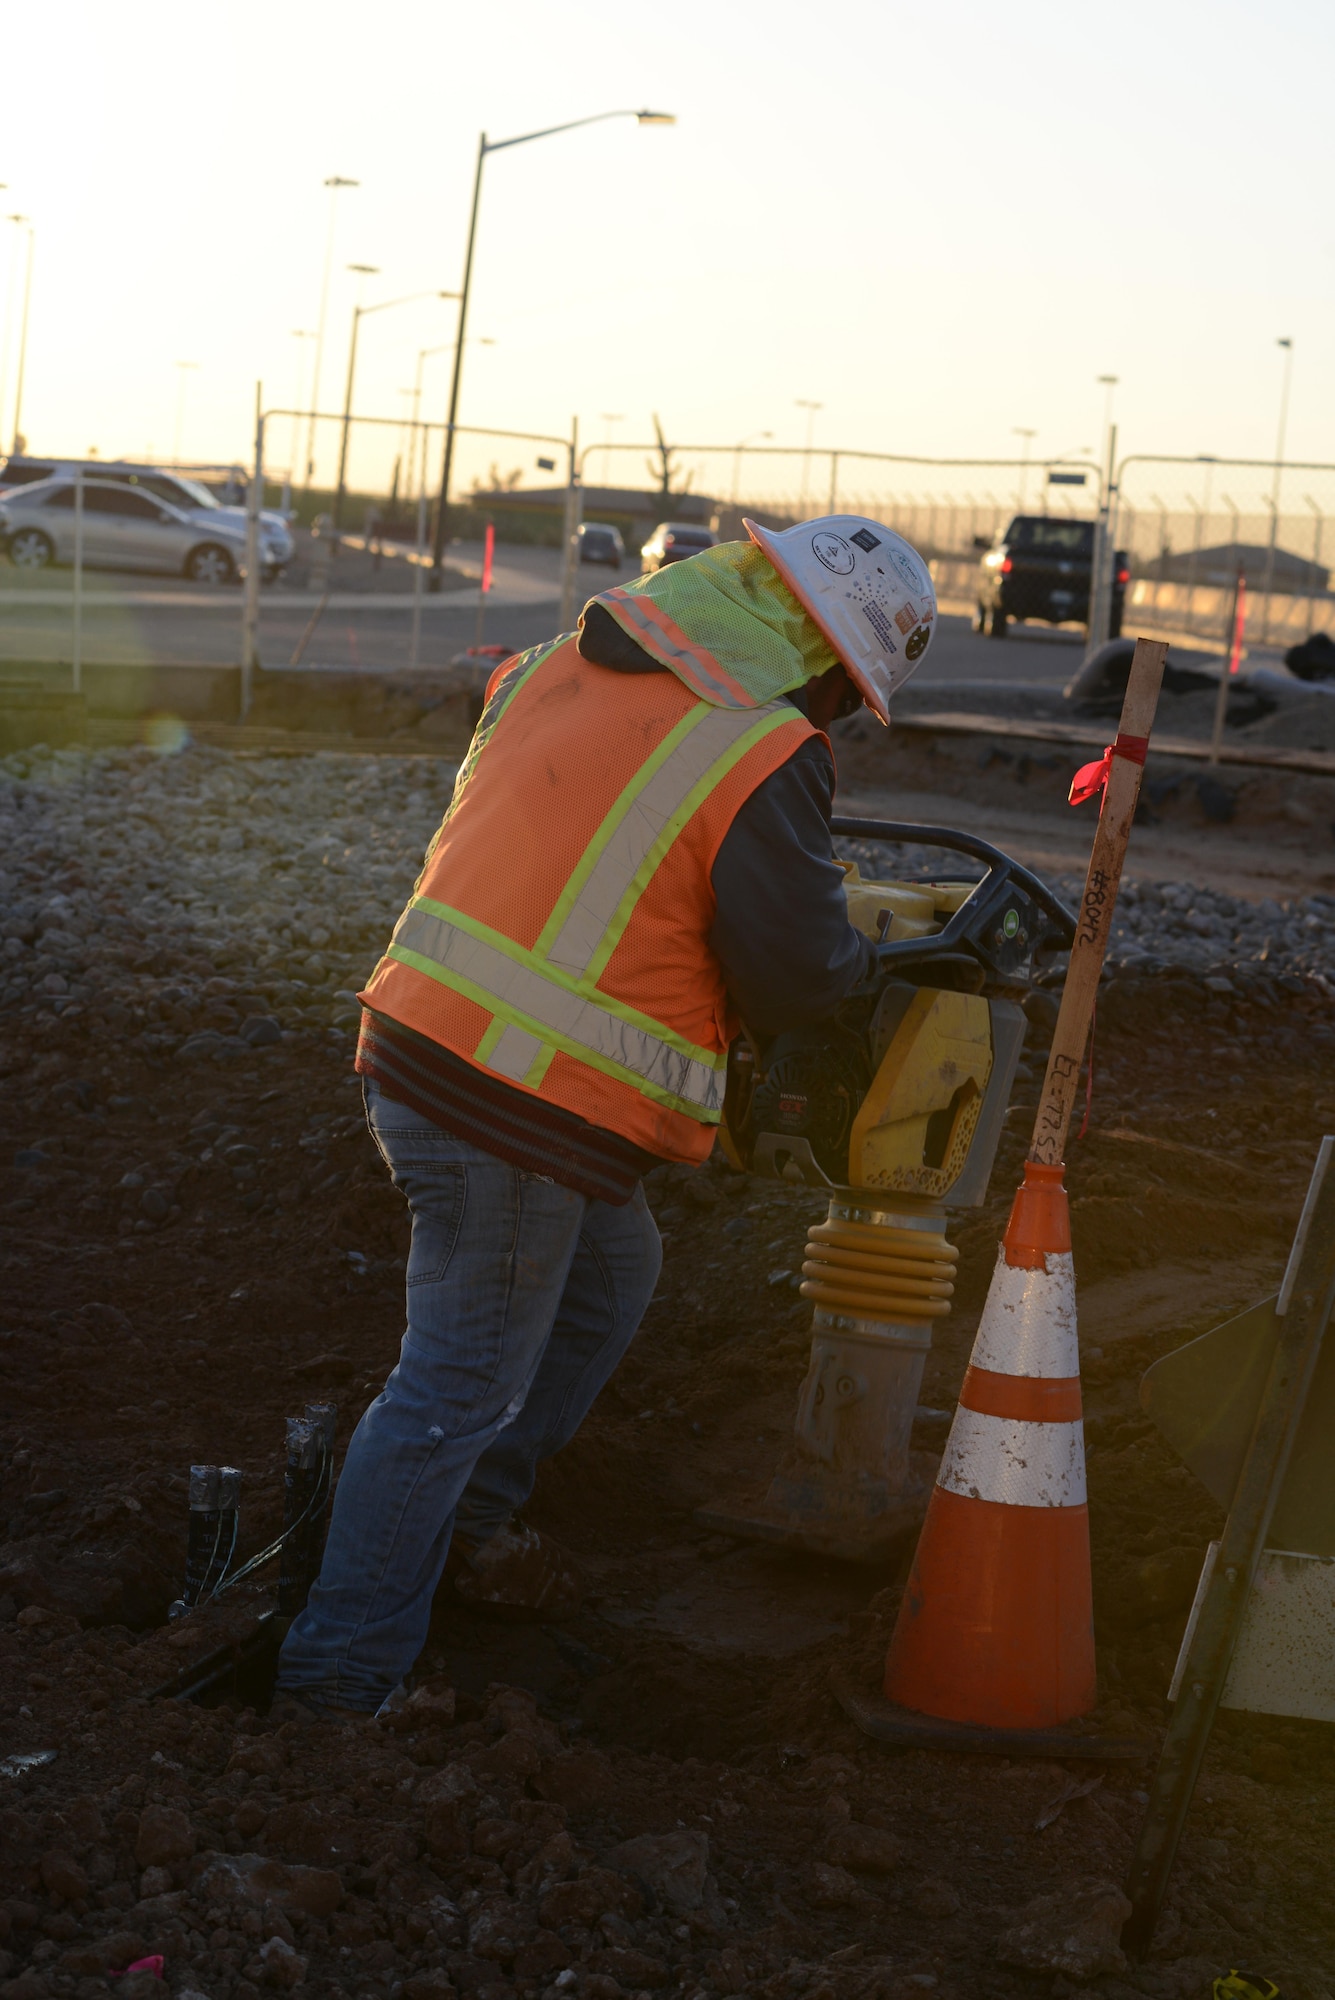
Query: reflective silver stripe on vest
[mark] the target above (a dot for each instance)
(630, 841)
(656, 641)
(579, 1019)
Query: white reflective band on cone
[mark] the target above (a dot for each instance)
(1013, 1461)
(1028, 1324)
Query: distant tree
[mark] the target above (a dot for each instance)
(665, 472)
(497, 481)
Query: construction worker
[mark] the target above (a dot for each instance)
(637, 854)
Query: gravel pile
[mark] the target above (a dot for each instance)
(1165, 926)
(208, 903)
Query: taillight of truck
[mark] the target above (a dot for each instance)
(1006, 565)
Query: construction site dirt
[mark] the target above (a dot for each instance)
(661, 1794)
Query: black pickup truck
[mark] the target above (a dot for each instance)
(1041, 569)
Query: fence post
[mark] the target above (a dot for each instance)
(76, 636)
(250, 613)
(1101, 565)
(415, 642)
(574, 507)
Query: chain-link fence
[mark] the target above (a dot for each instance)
(1191, 527)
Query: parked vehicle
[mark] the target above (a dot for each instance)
(189, 496)
(127, 528)
(673, 541)
(1041, 568)
(599, 543)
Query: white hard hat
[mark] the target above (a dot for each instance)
(870, 593)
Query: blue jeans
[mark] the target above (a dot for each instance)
(522, 1298)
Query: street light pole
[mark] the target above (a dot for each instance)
(1287, 346)
(1028, 436)
(23, 337)
(333, 183)
(485, 146)
(359, 313)
(737, 451)
(811, 409)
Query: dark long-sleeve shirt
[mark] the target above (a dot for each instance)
(780, 932)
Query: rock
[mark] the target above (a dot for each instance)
(445, 1830)
(498, 1927)
(283, 1967)
(519, 1754)
(933, 1898)
(587, 1898)
(261, 1756)
(544, 1954)
(261, 1031)
(579, 1779)
(428, 1986)
(831, 1888)
(254, 1878)
(165, 1837)
(62, 1876)
(1077, 1931)
(633, 1969)
(451, 1781)
(672, 1867)
(155, 1882)
(866, 1848)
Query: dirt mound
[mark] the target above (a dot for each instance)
(661, 1794)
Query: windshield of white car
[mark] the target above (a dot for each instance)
(181, 491)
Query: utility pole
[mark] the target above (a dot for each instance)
(334, 183)
(1017, 430)
(1287, 346)
(17, 444)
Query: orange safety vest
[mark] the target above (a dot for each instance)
(558, 934)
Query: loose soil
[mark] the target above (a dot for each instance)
(469, 1850)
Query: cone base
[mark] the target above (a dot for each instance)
(1002, 1636)
(886, 1722)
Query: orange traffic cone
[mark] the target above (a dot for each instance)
(996, 1626)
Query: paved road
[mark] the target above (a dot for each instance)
(366, 622)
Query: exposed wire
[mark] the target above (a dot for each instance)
(313, 1506)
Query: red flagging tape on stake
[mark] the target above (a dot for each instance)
(1092, 778)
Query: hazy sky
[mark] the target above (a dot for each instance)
(941, 221)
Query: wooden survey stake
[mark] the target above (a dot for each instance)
(1120, 774)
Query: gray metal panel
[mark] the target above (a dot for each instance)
(1008, 1026)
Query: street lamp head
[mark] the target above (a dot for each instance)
(340, 181)
(367, 270)
(1284, 343)
(1106, 379)
(656, 117)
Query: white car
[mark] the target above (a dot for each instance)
(125, 527)
(188, 496)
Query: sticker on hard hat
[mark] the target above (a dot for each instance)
(834, 552)
(909, 570)
(906, 617)
(866, 540)
(880, 625)
(917, 645)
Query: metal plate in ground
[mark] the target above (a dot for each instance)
(1204, 1398)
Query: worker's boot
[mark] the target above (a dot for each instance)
(517, 1573)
